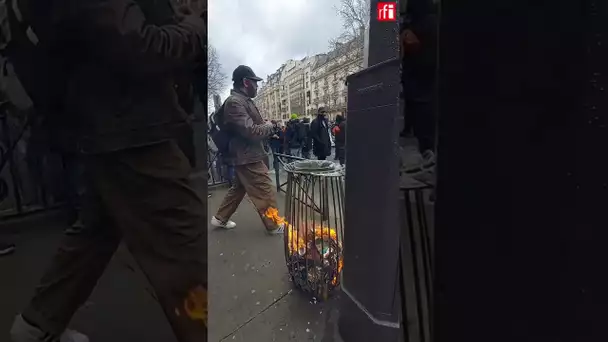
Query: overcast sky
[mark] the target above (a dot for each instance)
(263, 34)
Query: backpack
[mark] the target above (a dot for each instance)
(221, 137)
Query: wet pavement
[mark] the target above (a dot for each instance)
(250, 296)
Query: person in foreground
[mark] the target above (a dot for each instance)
(248, 152)
(121, 92)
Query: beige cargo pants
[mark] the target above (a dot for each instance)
(251, 179)
(143, 196)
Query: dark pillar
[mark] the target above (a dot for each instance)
(369, 306)
(382, 38)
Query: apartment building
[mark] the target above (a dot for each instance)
(302, 86)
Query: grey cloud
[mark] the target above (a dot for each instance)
(265, 33)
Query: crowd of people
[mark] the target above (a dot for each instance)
(305, 138)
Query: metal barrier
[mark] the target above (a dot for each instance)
(219, 172)
(26, 171)
(278, 161)
(416, 261)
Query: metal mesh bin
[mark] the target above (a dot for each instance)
(315, 225)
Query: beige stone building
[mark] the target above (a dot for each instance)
(268, 100)
(329, 79)
(302, 86)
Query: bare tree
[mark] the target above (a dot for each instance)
(355, 20)
(216, 80)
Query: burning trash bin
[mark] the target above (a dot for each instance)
(314, 225)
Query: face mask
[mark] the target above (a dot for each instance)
(251, 88)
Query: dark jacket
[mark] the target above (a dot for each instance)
(292, 134)
(320, 137)
(120, 90)
(249, 133)
(277, 143)
(303, 133)
(163, 12)
(340, 134)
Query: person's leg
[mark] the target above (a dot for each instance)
(75, 268)
(341, 154)
(258, 185)
(232, 200)
(271, 160)
(275, 160)
(295, 152)
(163, 220)
(74, 174)
(423, 124)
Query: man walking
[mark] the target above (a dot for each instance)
(319, 131)
(248, 151)
(122, 100)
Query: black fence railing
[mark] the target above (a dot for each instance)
(219, 173)
(30, 175)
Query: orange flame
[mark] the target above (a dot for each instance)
(299, 243)
(195, 304)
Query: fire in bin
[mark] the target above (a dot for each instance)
(314, 257)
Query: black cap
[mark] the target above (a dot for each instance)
(241, 72)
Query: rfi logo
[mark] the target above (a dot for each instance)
(386, 11)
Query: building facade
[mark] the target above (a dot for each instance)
(302, 86)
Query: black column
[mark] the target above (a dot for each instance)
(369, 304)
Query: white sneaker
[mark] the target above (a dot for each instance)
(280, 230)
(219, 224)
(22, 331)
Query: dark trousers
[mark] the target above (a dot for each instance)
(251, 180)
(341, 154)
(420, 121)
(144, 196)
(74, 182)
